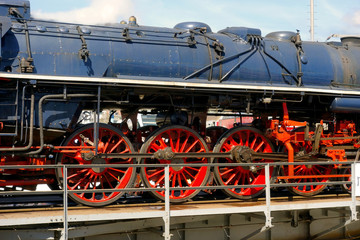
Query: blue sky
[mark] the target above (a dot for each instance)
(332, 16)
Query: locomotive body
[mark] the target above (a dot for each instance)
(131, 50)
(51, 72)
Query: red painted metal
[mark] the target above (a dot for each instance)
(291, 134)
(254, 140)
(180, 140)
(111, 140)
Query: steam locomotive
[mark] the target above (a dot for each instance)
(302, 97)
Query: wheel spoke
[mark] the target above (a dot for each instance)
(252, 177)
(171, 143)
(178, 143)
(192, 145)
(160, 179)
(114, 177)
(156, 173)
(227, 147)
(173, 179)
(227, 171)
(183, 175)
(155, 148)
(108, 142)
(243, 182)
(117, 170)
(162, 143)
(180, 184)
(253, 143)
(80, 181)
(247, 138)
(230, 178)
(194, 169)
(233, 142)
(116, 145)
(77, 173)
(184, 143)
(259, 146)
(192, 177)
(108, 181)
(93, 194)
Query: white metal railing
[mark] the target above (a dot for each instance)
(167, 212)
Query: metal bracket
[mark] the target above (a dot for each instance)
(84, 52)
(316, 144)
(191, 40)
(126, 35)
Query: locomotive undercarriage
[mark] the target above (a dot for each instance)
(282, 129)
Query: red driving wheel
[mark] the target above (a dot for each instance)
(180, 140)
(111, 140)
(307, 170)
(250, 138)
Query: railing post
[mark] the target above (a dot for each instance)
(268, 198)
(64, 233)
(166, 217)
(353, 196)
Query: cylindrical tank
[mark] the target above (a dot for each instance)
(188, 52)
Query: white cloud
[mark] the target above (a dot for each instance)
(354, 18)
(331, 8)
(98, 12)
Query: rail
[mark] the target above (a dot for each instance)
(167, 211)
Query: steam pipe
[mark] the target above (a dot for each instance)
(31, 137)
(218, 62)
(41, 101)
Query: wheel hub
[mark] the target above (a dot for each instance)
(98, 161)
(243, 154)
(177, 161)
(88, 156)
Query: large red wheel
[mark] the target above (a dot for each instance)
(306, 171)
(180, 140)
(252, 140)
(111, 140)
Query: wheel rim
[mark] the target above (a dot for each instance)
(307, 170)
(180, 140)
(239, 175)
(111, 140)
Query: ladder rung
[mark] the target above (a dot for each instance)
(7, 89)
(8, 104)
(8, 134)
(10, 118)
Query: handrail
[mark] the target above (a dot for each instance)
(167, 211)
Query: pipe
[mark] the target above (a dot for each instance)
(23, 113)
(218, 62)
(41, 101)
(239, 63)
(31, 137)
